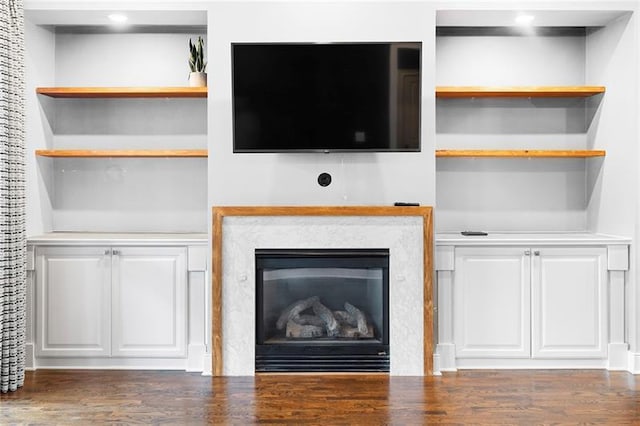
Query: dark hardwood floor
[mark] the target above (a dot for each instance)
(467, 397)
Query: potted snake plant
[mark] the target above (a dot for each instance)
(197, 64)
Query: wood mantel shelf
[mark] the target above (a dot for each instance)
(525, 153)
(140, 153)
(123, 92)
(517, 91)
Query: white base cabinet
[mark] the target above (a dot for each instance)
(149, 301)
(522, 302)
(111, 301)
(530, 301)
(117, 301)
(569, 299)
(492, 303)
(73, 302)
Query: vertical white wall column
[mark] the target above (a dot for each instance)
(198, 317)
(617, 263)
(30, 362)
(445, 354)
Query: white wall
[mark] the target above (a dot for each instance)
(291, 179)
(510, 194)
(612, 62)
(518, 60)
(120, 194)
(39, 68)
(612, 54)
(123, 59)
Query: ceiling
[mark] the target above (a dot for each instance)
(542, 18)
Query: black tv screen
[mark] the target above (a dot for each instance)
(333, 97)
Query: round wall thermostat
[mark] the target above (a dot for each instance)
(324, 179)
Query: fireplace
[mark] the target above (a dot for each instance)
(322, 310)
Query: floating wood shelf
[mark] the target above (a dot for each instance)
(453, 153)
(123, 92)
(140, 153)
(518, 91)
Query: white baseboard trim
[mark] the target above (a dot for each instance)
(528, 363)
(29, 355)
(96, 363)
(447, 354)
(436, 365)
(633, 366)
(618, 357)
(207, 369)
(195, 357)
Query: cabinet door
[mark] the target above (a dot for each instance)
(149, 301)
(73, 294)
(569, 303)
(492, 302)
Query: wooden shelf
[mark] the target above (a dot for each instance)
(525, 153)
(133, 153)
(517, 91)
(123, 92)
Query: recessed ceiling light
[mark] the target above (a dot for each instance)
(524, 19)
(117, 18)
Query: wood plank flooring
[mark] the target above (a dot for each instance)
(466, 397)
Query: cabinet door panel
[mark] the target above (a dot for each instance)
(570, 303)
(149, 302)
(492, 302)
(73, 301)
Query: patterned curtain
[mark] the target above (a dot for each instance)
(12, 196)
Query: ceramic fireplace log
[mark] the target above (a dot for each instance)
(294, 310)
(309, 320)
(359, 316)
(326, 315)
(353, 332)
(297, 330)
(345, 318)
(350, 323)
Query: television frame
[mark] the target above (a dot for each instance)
(388, 149)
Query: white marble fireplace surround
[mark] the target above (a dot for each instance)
(402, 235)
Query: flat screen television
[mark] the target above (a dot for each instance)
(326, 97)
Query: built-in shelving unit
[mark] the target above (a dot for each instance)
(518, 91)
(123, 92)
(526, 153)
(133, 153)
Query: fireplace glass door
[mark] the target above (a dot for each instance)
(322, 310)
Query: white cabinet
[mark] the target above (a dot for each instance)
(73, 301)
(111, 301)
(492, 302)
(149, 302)
(569, 294)
(539, 302)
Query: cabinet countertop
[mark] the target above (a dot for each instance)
(112, 238)
(528, 238)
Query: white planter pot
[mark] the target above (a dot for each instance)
(198, 79)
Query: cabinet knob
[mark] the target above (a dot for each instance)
(107, 252)
(527, 252)
(536, 253)
(116, 252)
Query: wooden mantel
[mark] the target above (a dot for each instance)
(219, 213)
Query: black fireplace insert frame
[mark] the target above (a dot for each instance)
(317, 355)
